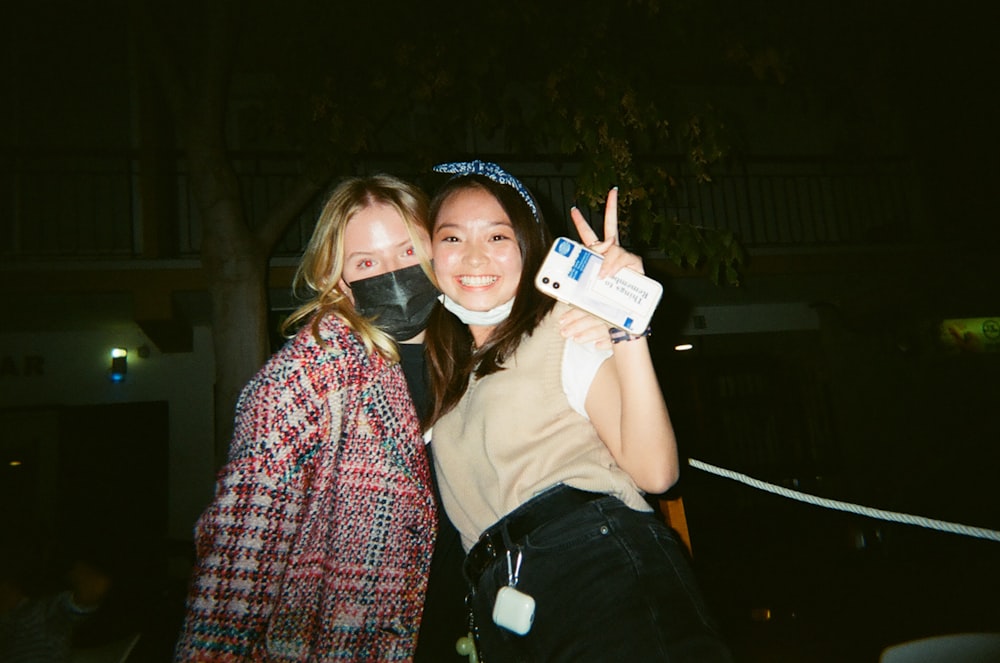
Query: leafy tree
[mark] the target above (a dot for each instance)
(591, 83)
(595, 84)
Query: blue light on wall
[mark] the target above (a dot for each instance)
(119, 364)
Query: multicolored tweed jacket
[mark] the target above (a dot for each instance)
(318, 543)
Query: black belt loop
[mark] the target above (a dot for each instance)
(545, 508)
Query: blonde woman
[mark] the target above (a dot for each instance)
(318, 543)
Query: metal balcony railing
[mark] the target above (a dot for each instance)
(89, 205)
(68, 204)
(790, 204)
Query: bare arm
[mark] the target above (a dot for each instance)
(627, 409)
(625, 403)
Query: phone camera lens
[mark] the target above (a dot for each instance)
(545, 280)
(556, 285)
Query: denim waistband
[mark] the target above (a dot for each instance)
(545, 508)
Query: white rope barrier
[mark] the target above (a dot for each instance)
(869, 512)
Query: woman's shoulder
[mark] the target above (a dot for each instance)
(337, 348)
(551, 319)
(545, 340)
(307, 364)
(549, 326)
(299, 381)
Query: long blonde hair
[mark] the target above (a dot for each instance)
(322, 264)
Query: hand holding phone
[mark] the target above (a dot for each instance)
(626, 299)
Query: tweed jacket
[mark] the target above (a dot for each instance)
(318, 542)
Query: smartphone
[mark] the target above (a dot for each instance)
(626, 300)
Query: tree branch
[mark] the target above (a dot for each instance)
(281, 215)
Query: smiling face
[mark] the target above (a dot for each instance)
(477, 258)
(376, 242)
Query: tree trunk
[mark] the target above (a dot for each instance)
(234, 257)
(239, 334)
(235, 265)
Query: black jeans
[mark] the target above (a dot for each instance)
(610, 583)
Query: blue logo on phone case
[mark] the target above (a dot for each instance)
(563, 247)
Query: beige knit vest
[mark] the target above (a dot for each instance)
(514, 434)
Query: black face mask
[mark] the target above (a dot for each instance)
(399, 303)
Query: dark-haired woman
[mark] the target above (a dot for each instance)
(546, 446)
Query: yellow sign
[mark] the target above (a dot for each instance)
(971, 334)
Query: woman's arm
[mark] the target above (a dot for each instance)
(244, 537)
(625, 402)
(626, 406)
(242, 541)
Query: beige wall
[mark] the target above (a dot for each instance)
(70, 367)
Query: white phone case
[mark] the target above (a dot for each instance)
(626, 300)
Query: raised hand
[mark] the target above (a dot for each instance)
(584, 328)
(615, 257)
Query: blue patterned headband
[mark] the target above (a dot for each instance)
(493, 172)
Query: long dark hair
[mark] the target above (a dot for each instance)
(451, 357)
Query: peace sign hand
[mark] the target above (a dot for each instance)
(615, 257)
